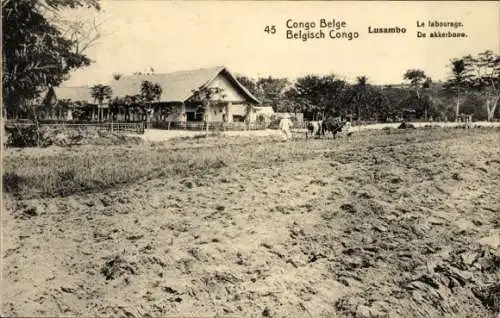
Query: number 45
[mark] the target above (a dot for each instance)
(270, 29)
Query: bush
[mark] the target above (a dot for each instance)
(30, 136)
(12, 182)
(21, 136)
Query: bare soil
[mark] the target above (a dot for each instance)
(395, 228)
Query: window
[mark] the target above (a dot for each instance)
(238, 118)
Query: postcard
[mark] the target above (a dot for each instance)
(250, 158)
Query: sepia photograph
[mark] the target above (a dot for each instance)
(250, 159)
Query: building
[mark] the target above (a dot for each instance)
(176, 103)
(234, 104)
(77, 95)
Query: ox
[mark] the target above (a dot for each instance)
(315, 128)
(333, 125)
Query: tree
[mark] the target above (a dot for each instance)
(61, 108)
(80, 110)
(479, 74)
(83, 32)
(397, 99)
(338, 95)
(251, 85)
(100, 92)
(206, 97)
(460, 69)
(426, 101)
(128, 104)
(150, 92)
(272, 90)
(418, 79)
(308, 90)
(360, 95)
(322, 96)
(382, 108)
(36, 55)
(485, 79)
(473, 104)
(294, 101)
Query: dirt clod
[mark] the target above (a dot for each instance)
(117, 267)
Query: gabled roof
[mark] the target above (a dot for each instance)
(177, 86)
(76, 94)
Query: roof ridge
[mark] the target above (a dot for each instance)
(178, 85)
(221, 67)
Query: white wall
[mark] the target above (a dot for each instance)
(229, 90)
(176, 114)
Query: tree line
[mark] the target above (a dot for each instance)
(472, 88)
(40, 50)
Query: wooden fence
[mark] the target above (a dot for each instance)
(218, 126)
(133, 127)
(139, 127)
(211, 126)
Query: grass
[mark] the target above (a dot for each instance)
(34, 173)
(92, 170)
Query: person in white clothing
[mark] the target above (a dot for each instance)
(347, 128)
(285, 125)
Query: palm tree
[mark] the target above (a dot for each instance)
(149, 93)
(459, 69)
(100, 92)
(360, 93)
(61, 108)
(426, 85)
(417, 79)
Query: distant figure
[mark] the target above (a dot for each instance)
(184, 119)
(285, 125)
(69, 116)
(468, 122)
(347, 128)
(224, 117)
(224, 120)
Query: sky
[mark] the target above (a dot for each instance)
(171, 36)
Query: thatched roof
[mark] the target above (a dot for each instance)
(177, 86)
(75, 94)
